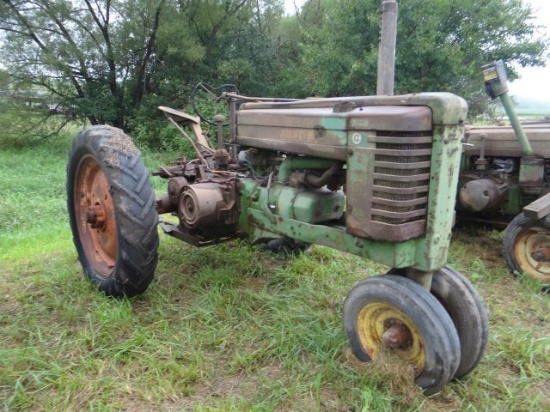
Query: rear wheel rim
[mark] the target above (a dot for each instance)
(95, 215)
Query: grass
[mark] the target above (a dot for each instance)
(226, 328)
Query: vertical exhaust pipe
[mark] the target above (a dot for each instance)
(386, 49)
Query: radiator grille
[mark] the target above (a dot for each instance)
(401, 177)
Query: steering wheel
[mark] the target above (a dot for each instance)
(209, 101)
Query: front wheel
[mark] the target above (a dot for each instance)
(112, 214)
(390, 312)
(463, 304)
(527, 247)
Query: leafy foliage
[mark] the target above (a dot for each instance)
(114, 61)
(441, 45)
(85, 54)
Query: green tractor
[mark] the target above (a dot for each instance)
(505, 181)
(375, 176)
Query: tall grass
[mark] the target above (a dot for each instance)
(230, 327)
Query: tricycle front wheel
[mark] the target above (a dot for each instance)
(463, 304)
(391, 312)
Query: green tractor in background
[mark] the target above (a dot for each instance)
(505, 180)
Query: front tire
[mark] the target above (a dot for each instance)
(393, 312)
(527, 247)
(112, 214)
(463, 304)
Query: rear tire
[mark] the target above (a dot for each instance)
(112, 214)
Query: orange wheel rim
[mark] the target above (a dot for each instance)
(95, 215)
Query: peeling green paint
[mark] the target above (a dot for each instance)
(275, 210)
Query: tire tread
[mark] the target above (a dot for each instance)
(134, 201)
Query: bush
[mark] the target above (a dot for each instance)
(23, 127)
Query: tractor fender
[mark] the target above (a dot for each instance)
(538, 209)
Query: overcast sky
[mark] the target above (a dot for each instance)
(534, 82)
(289, 5)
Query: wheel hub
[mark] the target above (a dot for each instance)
(97, 223)
(95, 216)
(541, 252)
(379, 325)
(397, 335)
(532, 252)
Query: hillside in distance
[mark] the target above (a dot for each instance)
(524, 103)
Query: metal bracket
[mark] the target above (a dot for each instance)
(539, 208)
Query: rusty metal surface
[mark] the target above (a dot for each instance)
(163, 204)
(177, 232)
(199, 204)
(397, 336)
(97, 225)
(326, 151)
(187, 120)
(481, 194)
(387, 186)
(410, 118)
(502, 141)
(493, 153)
(531, 172)
(447, 108)
(394, 193)
(322, 133)
(542, 252)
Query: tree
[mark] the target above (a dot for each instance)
(454, 40)
(92, 55)
(441, 44)
(113, 60)
(215, 41)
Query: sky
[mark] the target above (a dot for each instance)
(534, 82)
(289, 5)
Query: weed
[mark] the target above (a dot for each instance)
(231, 327)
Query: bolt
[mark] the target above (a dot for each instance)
(219, 118)
(95, 216)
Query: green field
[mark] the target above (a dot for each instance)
(226, 328)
